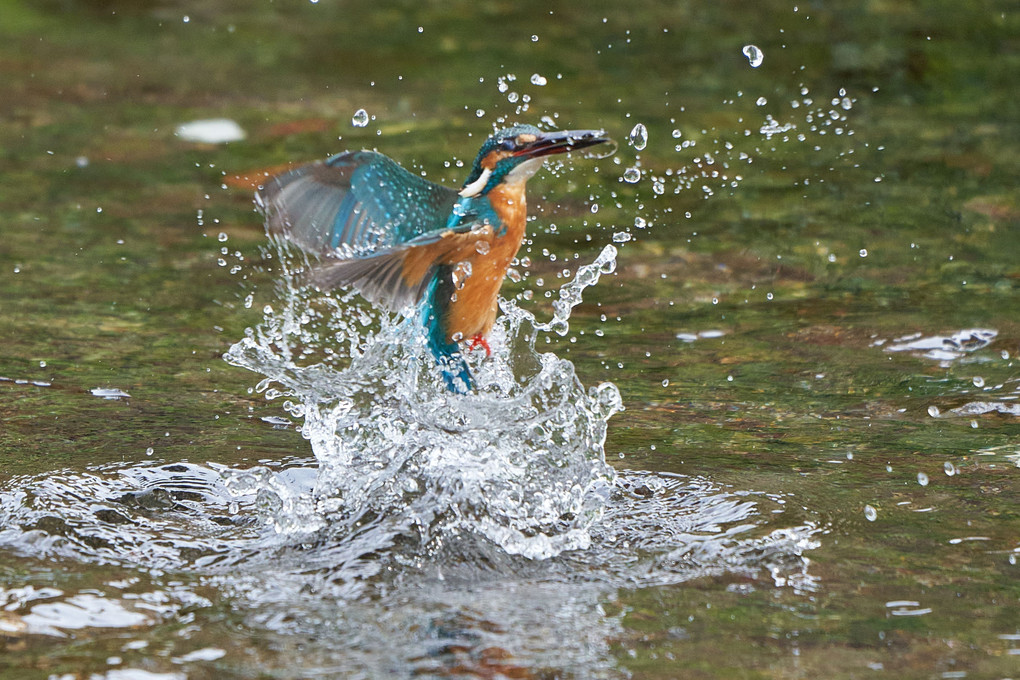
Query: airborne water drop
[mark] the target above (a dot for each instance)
(754, 55)
(639, 137)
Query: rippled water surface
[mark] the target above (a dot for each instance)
(752, 404)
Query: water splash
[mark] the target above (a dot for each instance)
(519, 462)
(423, 512)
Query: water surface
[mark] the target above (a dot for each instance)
(779, 437)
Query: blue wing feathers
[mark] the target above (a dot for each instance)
(360, 213)
(358, 202)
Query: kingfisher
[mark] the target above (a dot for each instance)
(412, 246)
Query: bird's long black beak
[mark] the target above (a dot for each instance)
(561, 141)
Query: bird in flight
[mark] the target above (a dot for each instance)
(413, 246)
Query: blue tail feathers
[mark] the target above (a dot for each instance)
(446, 352)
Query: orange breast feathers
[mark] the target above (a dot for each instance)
(479, 259)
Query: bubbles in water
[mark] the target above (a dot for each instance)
(632, 175)
(638, 137)
(538, 80)
(754, 55)
(870, 513)
(360, 118)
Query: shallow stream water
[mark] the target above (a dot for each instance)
(753, 409)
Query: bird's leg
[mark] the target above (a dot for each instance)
(479, 339)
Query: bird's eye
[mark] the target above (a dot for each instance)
(509, 144)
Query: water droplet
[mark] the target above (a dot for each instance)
(360, 118)
(933, 411)
(870, 513)
(754, 55)
(638, 137)
(461, 273)
(949, 468)
(632, 175)
(482, 247)
(922, 479)
(480, 112)
(149, 451)
(863, 252)
(665, 383)
(539, 80)
(222, 237)
(761, 101)
(979, 381)
(640, 222)
(621, 237)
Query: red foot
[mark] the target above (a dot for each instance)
(480, 340)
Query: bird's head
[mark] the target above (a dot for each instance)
(516, 153)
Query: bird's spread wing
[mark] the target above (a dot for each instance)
(352, 205)
(361, 214)
(398, 277)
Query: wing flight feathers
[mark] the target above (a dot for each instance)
(353, 205)
(359, 213)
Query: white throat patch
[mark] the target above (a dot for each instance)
(476, 187)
